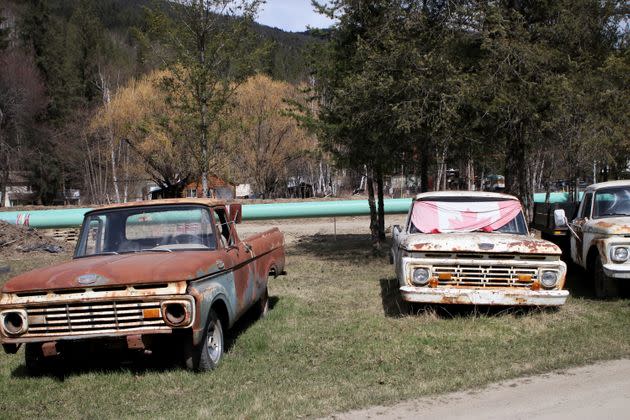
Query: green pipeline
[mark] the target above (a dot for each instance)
(66, 218)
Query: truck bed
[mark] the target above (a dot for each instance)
(543, 219)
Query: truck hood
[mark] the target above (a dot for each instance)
(609, 226)
(116, 270)
(478, 242)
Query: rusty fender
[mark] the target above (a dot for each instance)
(207, 293)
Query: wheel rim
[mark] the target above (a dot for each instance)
(215, 341)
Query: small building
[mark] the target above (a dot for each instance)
(217, 188)
(244, 191)
(298, 188)
(19, 191)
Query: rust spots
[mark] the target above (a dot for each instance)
(610, 228)
(134, 342)
(454, 300)
(603, 225)
(49, 349)
(535, 247)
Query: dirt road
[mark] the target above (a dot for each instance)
(600, 391)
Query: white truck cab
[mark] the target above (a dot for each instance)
(600, 235)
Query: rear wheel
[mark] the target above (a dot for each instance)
(605, 287)
(208, 353)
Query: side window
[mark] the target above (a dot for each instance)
(585, 211)
(223, 227)
(95, 236)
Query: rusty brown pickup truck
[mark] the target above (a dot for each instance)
(144, 273)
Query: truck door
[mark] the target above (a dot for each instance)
(242, 262)
(577, 240)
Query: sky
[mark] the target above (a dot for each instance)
(291, 15)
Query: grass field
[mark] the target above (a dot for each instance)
(334, 340)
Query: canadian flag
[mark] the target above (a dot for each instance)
(451, 216)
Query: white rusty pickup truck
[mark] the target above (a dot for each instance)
(474, 248)
(600, 235)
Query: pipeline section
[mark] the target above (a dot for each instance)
(68, 218)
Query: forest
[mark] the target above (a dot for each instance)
(82, 104)
(104, 96)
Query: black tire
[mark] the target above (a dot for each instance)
(605, 287)
(208, 354)
(262, 306)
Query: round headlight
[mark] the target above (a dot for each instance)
(619, 254)
(175, 313)
(421, 276)
(549, 279)
(14, 322)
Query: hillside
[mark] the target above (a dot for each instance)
(286, 61)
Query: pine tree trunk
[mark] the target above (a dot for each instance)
(376, 244)
(381, 205)
(424, 172)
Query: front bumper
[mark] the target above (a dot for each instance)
(471, 296)
(617, 271)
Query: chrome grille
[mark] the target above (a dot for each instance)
(77, 318)
(485, 276)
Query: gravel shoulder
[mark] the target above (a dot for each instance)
(601, 390)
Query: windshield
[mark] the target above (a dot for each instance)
(463, 214)
(612, 202)
(146, 229)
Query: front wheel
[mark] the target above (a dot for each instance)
(208, 354)
(605, 287)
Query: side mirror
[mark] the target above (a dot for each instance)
(560, 218)
(235, 213)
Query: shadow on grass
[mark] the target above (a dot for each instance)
(244, 323)
(98, 357)
(579, 282)
(340, 247)
(395, 307)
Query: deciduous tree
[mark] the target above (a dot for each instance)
(268, 141)
(209, 52)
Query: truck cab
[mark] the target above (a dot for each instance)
(600, 235)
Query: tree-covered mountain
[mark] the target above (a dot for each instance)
(286, 60)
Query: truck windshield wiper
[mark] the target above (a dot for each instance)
(156, 250)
